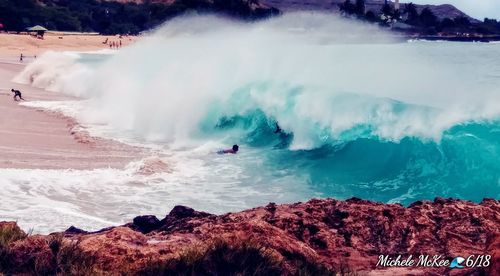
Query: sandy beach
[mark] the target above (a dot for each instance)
(41, 139)
(13, 45)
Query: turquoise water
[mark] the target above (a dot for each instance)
(386, 121)
(463, 163)
(399, 145)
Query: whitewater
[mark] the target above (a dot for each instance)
(361, 114)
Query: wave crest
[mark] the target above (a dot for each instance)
(304, 71)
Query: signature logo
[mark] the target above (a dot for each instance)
(456, 263)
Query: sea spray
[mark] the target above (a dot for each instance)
(304, 71)
(321, 107)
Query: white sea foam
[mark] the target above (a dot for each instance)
(162, 87)
(322, 78)
(53, 200)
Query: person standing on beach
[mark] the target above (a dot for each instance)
(17, 94)
(21, 58)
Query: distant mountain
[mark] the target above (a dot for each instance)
(441, 11)
(446, 11)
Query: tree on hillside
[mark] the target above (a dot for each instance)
(387, 10)
(371, 16)
(412, 14)
(462, 21)
(360, 7)
(428, 18)
(490, 26)
(490, 21)
(447, 23)
(347, 7)
(113, 17)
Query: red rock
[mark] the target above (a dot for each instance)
(337, 234)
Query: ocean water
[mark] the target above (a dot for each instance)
(361, 114)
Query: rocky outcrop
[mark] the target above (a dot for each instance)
(323, 236)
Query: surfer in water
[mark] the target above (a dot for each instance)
(17, 94)
(232, 150)
(278, 129)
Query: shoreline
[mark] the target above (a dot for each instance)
(482, 39)
(35, 138)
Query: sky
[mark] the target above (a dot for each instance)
(478, 9)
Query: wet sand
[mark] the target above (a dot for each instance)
(40, 139)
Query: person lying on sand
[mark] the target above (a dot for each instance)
(233, 150)
(17, 94)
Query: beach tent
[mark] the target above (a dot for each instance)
(38, 29)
